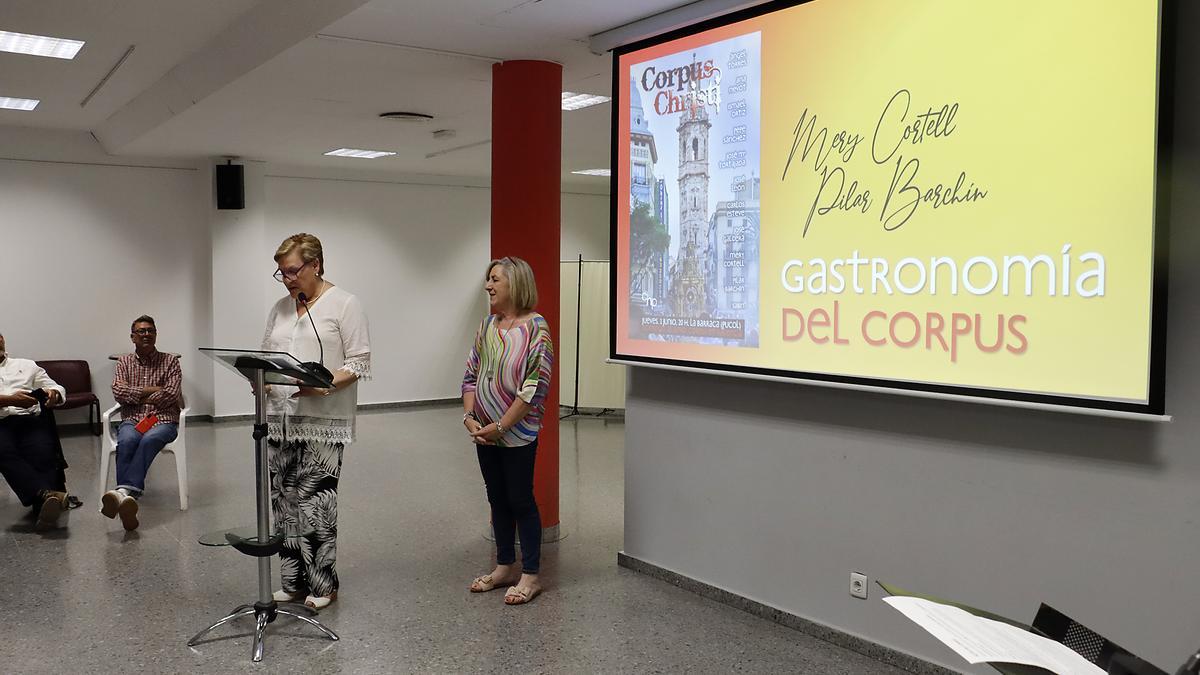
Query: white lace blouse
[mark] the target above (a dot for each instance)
(342, 325)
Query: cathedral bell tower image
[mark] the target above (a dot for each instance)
(688, 287)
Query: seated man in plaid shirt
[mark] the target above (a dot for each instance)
(148, 385)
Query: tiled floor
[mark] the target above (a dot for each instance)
(90, 598)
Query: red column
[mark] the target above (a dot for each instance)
(526, 176)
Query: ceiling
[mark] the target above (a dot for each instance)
(284, 81)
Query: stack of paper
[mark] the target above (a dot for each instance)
(980, 640)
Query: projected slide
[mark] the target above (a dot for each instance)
(935, 196)
(694, 143)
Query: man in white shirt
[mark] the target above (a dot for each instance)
(30, 454)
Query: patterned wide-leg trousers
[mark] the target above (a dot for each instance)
(304, 482)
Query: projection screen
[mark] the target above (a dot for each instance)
(938, 198)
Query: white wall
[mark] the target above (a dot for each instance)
(601, 385)
(111, 241)
(585, 226)
(240, 284)
(585, 230)
(776, 492)
(414, 254)
(87, 245)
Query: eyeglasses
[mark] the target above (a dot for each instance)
(280, 274)
(146, 331)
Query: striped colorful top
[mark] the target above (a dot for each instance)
(503, 366)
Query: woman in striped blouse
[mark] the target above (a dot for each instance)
(504, 391)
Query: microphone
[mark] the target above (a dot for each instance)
(318, 368)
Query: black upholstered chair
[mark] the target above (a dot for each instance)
(76, 377)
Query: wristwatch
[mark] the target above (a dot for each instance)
(470, 416)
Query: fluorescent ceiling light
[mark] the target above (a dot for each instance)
(39, 45)
(18, 103)
(593, 172)
(362, 154)
(573, 101)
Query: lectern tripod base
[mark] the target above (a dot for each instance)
(263, 615)
(264, 545)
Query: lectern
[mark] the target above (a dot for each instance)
(263, 369)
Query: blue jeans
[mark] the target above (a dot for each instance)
(136, 451)
(508, 476)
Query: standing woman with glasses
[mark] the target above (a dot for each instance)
(504, 397)
(309, 428)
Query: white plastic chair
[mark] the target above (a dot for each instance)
(176, 447)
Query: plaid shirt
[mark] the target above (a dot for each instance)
(157, 370)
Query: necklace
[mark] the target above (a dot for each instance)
(324, 285)
(302, 308)
(512, 321)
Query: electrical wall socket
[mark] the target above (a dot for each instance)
(858, 585)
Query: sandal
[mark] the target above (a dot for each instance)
(486, 583)
(320, 602)
(521, 596)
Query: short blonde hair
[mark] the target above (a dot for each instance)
(309, 246)
(521, 285)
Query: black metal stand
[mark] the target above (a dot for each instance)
(94, 407)
(578, 324)
(266, 609)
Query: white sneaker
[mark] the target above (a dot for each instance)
(128, 509)
(109, 503)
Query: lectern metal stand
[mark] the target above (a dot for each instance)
(263, 368)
